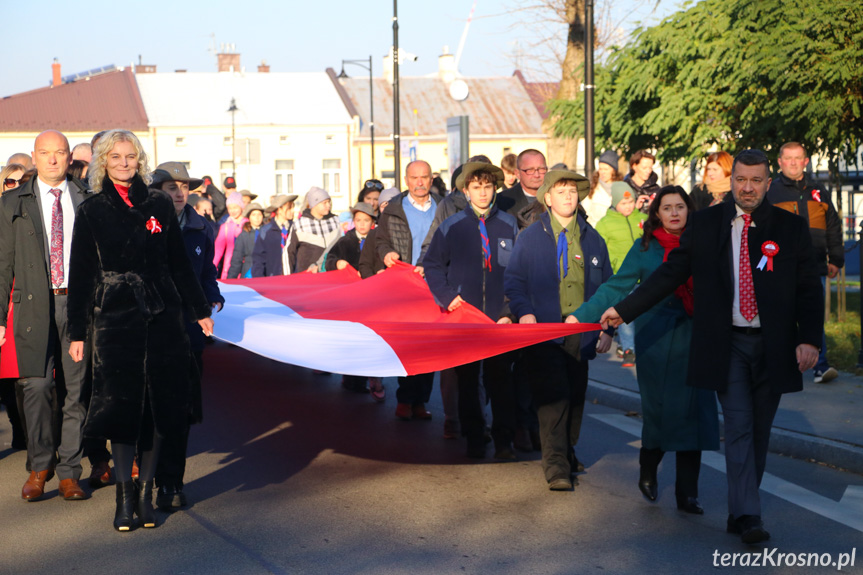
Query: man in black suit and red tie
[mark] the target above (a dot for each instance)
(758, 318)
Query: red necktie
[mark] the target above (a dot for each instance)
(57, 240)
(746, 290)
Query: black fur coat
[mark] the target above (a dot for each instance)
(129, 279)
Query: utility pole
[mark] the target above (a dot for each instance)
(233, 109)
(588, 89)
(362, 64)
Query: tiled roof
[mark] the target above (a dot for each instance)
(101, 102)
(496, 106)
(540, 92)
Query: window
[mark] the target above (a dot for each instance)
(389, 153)
(332, 174)
(227, 140)
(180, 142)
(284, 177)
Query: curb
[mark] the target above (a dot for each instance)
(782, 441)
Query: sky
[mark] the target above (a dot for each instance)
(291, 35)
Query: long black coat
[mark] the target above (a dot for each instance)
(23, 246)
(267, 255)
(128, 285)
(790, 301)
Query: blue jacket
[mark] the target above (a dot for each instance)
(200, 247)
(267, 255)
(454, 262)
(531, 283)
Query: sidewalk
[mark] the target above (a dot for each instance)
(824, 422)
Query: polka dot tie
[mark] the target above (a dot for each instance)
(746, 290)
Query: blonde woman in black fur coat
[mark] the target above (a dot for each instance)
(129, 280)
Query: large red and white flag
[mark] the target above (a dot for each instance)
(386, 325)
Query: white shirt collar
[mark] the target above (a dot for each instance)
(45, 189)
(418, 205)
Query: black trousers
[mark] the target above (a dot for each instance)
(171, 467)
(415, 389)
(498, 382)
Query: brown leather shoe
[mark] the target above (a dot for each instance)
(101, 475)
(420, 412)
(70, 490)
(403, 411)
(34, 487)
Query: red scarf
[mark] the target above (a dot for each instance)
(124, 193)
(684, 292)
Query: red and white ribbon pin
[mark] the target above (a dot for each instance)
(153, 225)
(769, 249)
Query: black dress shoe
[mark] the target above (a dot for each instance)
(126, 500)
(690, 505)
(752, 529)
(648, 489)
(647, 482)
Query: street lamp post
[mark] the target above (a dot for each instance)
(233, 109)
(396, 124)
(362, 64)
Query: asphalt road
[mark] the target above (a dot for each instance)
(291, 474)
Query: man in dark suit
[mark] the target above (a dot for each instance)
(531, 168)
(757, 320)
(35, 240)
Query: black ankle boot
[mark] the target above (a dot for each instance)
(647, 482)
(126, 495)
(145, 504)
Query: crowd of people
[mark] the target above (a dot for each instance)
(109, 275)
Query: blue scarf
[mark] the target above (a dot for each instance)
(562, 250)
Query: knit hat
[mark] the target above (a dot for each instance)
(611, 158)
(554, 176)
(387, 195)
(235, 198)
(316, 195)
(621, 191)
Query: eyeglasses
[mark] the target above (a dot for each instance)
(374, 184)
(10, 182)
(533, 171)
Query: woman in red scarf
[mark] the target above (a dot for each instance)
(676, 417)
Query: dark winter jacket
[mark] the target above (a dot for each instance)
(243, 256)
(370, 263)
(23, 248)
(650, 187)
(199, 239)
(129, 282)
(394, 234)
(348, 249)
(454, 262)
(455, 202)
(512, 200)
(531, 282)
(808, 199)
(311, 239)
(267, 255)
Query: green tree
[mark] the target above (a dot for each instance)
(735, 73)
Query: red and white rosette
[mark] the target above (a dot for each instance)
(153, 225)
(769, 249)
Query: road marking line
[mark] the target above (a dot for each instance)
(848, 511)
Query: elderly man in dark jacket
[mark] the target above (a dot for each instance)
(402, 227)
(35, 243)
(173, 179)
